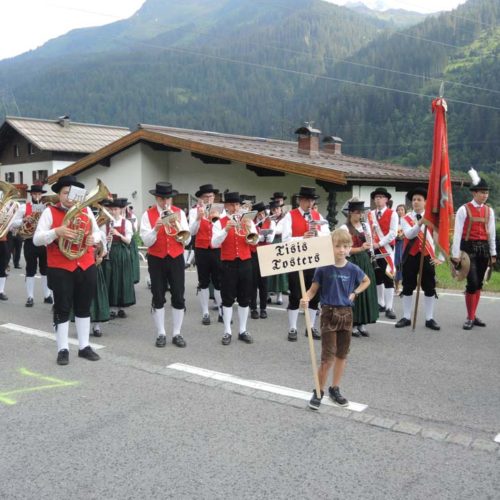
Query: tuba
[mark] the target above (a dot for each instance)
(76, 248)
(173, 226)
(8, 207)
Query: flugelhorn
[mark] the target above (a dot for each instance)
(8, 207)
(173, 227)
(242, 229)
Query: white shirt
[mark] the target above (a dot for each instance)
(219, 234)
(460, 218)
(393, 227)
(149, 234)
(361, 228)
(45, 234)
(270, 237)
(194, 223)
(117, 224)
(286, 231)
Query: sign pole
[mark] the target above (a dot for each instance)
(419, 279)
(309, 336)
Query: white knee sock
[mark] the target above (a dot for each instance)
(429, 307)
(30, 286)
(2, 284)
(177, 318)
(47, 292)
(218, 299)
(280, 297)
(380, 295)
(204, 293)
(242, 318)
(227, 316)
(62, 335)
(293, 314)
(83, 331)
(407, 305)
(389, 298)
(312, 315)
(159, 319)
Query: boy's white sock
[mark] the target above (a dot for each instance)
(312, 316)
(227, 316)
(2, 284)
(30, 286)
(407, 305)
(159, 319)
(62, 335)
(47, 292)
(83, 331)
(380, 295)
(204, 295)
(389, 298)
(429, 307)
(242, 318)
(293, 314)
(177, 318)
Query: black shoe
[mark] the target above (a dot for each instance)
(468, 324)
(269, 300)
(96, 331)
(263, 314)
(381, 309)
(89, 354)
(477, 322)
(63, 357)
(205, 320)
(245, 337)
(48, 300)
(355, 333)
(336, 397)
(29, 302)
(226, 339)
(220, 319)
(161, 341)
(17, 267)
(402, 323)
(3, 296)
(390, 314)
(316, 335)
(122, 313)
(254, 314)
(362, 331)
(179, 341)
(292, 335)
(430, 323)
(315, 401)
(279, 302)
(112, 315)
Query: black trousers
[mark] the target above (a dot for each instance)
(295, 291)
(165, 273)
(259, 284)
(208, 267)
(236, 282)
(15, 246)
(4, 257)
(410, 272)
(381, 277)
(34, 257)
(72, 289)
(479, 255)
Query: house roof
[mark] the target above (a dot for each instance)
(272, 154)
(63, 134)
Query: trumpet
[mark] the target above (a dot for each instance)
(311, 223)
(242, 229)
(211, 211)
(173, 227)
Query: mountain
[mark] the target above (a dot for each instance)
(397, 18)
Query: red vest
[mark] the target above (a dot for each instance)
(204, 234)
(54, 256)
(476, 223)
(385, 222)
(29, 209)
(164, 245)
(299, 223)
(417, 245)
(234, 246)
(358, 237)
(265, 225)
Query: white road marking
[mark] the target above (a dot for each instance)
(260, 386)
(497, 438)
(36, 276)
(42, 334)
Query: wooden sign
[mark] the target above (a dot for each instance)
(295, 255)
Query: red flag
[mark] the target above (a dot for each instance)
(439, 206)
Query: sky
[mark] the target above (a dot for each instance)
(28, 24)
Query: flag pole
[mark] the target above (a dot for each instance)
(419, 279)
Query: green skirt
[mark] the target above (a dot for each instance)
(278, 282)
(120, 276)
(134, 257)
(365, 309)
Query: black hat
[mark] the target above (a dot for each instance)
(206, 188)
(482, 185)
(260, 206)
(382, 191)
(36, 188)
(416, 190)
(164, 190)
(232, 197)
(278, 194)
(274, 204)
(116, 202)
(66, 180)
(307, 192)
(356, 205)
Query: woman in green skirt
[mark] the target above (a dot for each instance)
(99, 307)
(134, 251)
(365, 309)
(118, 266)
(278, 284)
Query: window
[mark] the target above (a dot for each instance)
(21, 177)
(31, 149)
(16, 150)
(9, 177)
(40, 176)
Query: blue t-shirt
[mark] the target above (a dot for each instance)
(337, 283)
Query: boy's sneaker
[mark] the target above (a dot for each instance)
(292, 335)
(89, 354)
(63, 357)
(315, 401)
(336, 397)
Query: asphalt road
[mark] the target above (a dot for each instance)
(130, 427)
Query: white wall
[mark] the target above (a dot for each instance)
(27, 169)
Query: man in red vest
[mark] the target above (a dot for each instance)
(201, 219)
(302, 222)
(229, 233)
(413, 231)
(165, 261)
(384, 227)
(475, 235)
(34, 256)
(73, 281)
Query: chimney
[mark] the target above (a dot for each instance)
(63, 121)
(308, 139)
(332, 145)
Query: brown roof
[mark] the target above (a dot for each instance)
(51, 135)
(261, 152)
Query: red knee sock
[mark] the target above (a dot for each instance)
(469, 303)
(476, 297)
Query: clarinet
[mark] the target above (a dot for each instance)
(371, 251)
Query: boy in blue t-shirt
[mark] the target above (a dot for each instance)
(338, 285)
